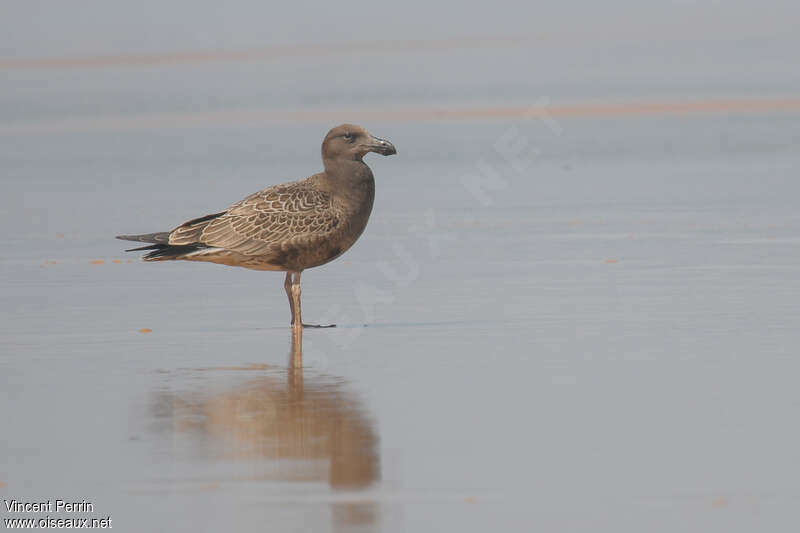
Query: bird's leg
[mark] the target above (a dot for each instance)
(287, 285)
(294, 297)
(292, 286)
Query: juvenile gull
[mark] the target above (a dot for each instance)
(288, 227)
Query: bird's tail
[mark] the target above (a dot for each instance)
(160, 249)
(161, 237)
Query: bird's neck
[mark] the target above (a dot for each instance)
(347, 174)
(348, 169)
(352, 180)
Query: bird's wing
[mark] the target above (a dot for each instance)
(266, 220)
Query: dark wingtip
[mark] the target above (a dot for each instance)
(149, 247)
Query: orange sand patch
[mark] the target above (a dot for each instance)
(244, 117)
(145, 330)
(720, 502)
(263, 53)
(96, 262)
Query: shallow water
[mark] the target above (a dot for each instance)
(572, 323)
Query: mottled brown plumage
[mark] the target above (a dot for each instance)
(288, 227)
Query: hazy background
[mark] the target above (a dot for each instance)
(574, 307)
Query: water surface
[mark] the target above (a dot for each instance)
(575, 322)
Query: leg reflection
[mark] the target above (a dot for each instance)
(278, 424)
(349, 438)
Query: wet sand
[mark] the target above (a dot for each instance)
(567, 320)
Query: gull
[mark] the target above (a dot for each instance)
(288, 227)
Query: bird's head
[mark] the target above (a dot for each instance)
(352, 142)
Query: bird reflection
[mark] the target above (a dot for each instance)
(288, 426)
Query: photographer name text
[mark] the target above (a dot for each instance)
(61, 506)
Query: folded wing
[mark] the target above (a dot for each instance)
(264, 221)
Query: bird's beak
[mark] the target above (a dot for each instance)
(381, 146)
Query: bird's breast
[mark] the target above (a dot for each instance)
(352, 214)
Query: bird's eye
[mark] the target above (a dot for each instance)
(348, 137)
